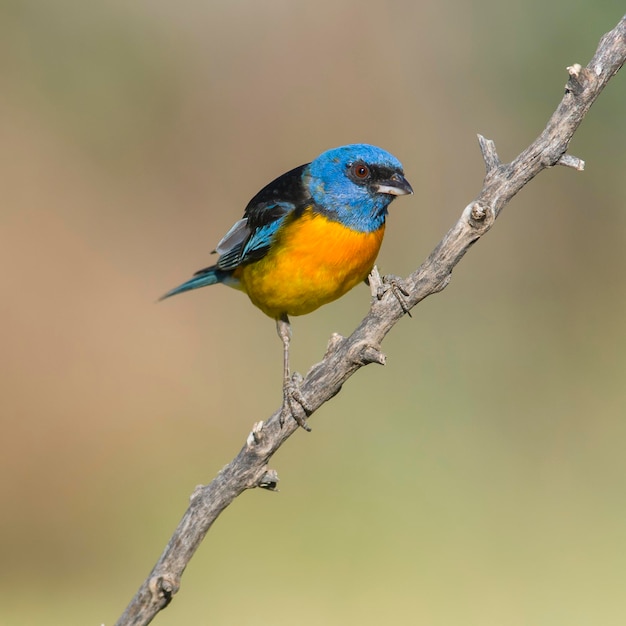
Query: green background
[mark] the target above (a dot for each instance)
(479, 478)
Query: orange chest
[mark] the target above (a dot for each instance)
(312, 261)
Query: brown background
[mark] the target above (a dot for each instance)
(478, 479)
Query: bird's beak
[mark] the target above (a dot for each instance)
(397, 185)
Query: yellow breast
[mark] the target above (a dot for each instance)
(313, 261)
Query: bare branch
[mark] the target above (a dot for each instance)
(391, 299)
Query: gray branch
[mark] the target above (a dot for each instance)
(392, 298)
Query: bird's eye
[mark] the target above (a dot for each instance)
(360, 171)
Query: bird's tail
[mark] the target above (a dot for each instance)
(208, 276)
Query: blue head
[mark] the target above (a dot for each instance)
(355, 184)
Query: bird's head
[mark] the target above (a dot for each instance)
(355, 184)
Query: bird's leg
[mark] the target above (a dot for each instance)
(291, 392)
(283, 327)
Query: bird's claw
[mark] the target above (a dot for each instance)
(295, 404)
(398, 288)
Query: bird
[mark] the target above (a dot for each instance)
(307, 238)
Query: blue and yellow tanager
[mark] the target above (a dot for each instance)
(308, 237)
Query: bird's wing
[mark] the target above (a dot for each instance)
(244, 243)
(251, 237)
(238, 233)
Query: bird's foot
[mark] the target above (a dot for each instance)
(294, 403)
(399, 289)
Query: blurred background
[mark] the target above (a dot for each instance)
(479, 478)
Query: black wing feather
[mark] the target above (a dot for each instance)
(269, 204)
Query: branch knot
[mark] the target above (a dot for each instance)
(478, 212)
(269, 480)
(256, 435)
(479, 216)
(370, 354)
(163, 588)
(578, 78)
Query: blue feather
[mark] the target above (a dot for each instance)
(203, 278)
(341, 198)
(260, 241)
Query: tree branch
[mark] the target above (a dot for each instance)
(392, 298)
